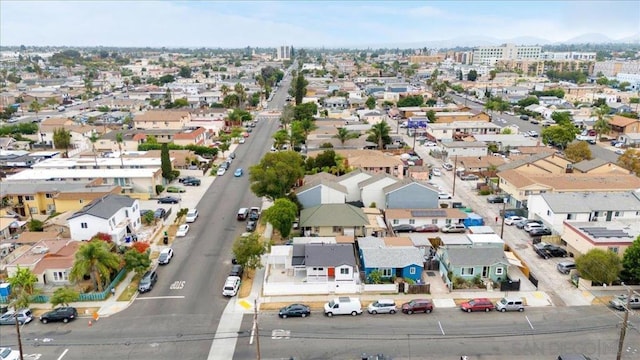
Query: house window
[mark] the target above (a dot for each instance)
(318, 269)
(434, 221)
(84, 225)
(396, 221)
(33, 210)
(412, 221)
(616, 214)
(466, 271)
(386, 272)
(569, 216)
(344, 271)
(59, 276)
(613, 250)
(49, 195)
(126, 213)
(81, 201)
(499, 271)
(337, 229)
(29, 197)
(548, 212)
(412, 271)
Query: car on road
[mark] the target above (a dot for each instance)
(175, 189)
(221, 171)
(8, 354)
(543, 231)
(160, 213)
(165, 256)
(251, 226)
(427, 228)
(236, 270)
(547, 251)
(512, 220)
(447, 166)
(64, 314)
(191, 182)
(382, 306)
(477, 304)
(192, 215)
(294, 310)
(231, 286)
(619, 151)
(524, 117)
(243, 213)
(469, 177)
(443, 195)
(403, 228)
(565, 267)
(23, 316)
(530, 226)
(417, 305)
(238, 172)
(182, 230)
(232, 155)
(148, 280)
(620, 302)
(168, 200)
(430, 144)
(533, 133)
(454, 228)
(254, 213)
(495, 199)
(510, 304)
(436, 172)
(242, 140)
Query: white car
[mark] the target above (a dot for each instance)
(182, 230)
(192, 215)
(619, 151)
(531, 226)
(511, 220)
(436, 172)
(8, 354)
(165, 256)
(533, 133)
(231, 286)
(241, 141)
(444, 195)
(430, 144)
(221, 171)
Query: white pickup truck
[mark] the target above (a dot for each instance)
(587, 135)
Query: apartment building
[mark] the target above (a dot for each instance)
(283, 52)
(611, 68)
(489, 55)
(539, 67)
(569, 55)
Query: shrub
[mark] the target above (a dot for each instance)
(35, 225)
(485, 192)
(140, 247)
(159, 189)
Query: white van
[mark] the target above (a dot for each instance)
(507, 304)
(343, 306)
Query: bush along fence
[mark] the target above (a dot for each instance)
(94, 296)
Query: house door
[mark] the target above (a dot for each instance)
(609, 215)
(485, 271)
(332, 272)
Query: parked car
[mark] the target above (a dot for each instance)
(620, 302)
(23, 316)
(231, 286)
(192, 215)
(565, 267)
(241, 140)
(254, 213)
(243, 213)
(343, 306)
(495, 199)
(294, 310)
(521, 224)
(442, 195)
(546, 251)
(160, 213)
(510, 304)
(175, 189)
(454, 228)
(191, 182)
(232, 155)
(238, 172)
(64, 314)
(221, 171)
(478, 304)
(533, 225)
(469, 177)
(382, 306)
(427, 228)
(436, 172)
(251, 226)
(447, 166)
(182, 230)
(533, 133)
(417, 305)
(225, 165)
(236, 270)
(8, 354)
(168, 200)
(512, 220)
(543, 231)
(403, 228)
(148, 280)
(165, 256)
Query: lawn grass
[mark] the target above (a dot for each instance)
(131, 289)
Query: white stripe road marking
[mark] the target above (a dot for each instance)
(441, 330)
(159, 297)
(63, 354)
(526, 317)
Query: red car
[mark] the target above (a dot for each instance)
(427, 228)
(478, 304)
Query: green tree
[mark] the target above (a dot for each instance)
(185, 72)
(238, 88)
(23, 280)
(578, 151)
(562, 117)
(300, 88)
(631, 261)
(559, 135)
(375, 277)
(602, 125)
(35, 225)
(408, 101)
(630, 160)
(165, 162)
(344, 135)
(231, 101)
(281, 215)
(120, 141)
(64, 296)
(472, 75)
(248, 250)
(379, 134)
(599, 265)
(180, 103)
(371, 103)
(280, 138)
(276, 173)
(431, 115)
(94, 138)
(62, 140)
(492, 74)
(287, 116)
(35, 107)
(305, 111)
(93, 258)
(225, 90)
(137, 261)
(506, 131)
(529, 100)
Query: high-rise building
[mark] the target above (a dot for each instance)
(283, 53)
(489, 55)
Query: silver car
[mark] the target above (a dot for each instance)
(382, 306)
(24, 316)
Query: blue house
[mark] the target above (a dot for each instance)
(410, 194)
(392, 261)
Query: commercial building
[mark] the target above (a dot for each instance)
(489, 55)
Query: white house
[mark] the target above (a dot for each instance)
(372, 189)
(554, 208)
(465, 148)
(321, 189)
(115, 215)
(351, 180)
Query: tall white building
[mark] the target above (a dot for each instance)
(570, 55)
(489, 55)
(283, 53)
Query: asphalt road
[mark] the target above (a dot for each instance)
(537, 333)
(179, 317)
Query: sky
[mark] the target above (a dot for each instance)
(306, 23)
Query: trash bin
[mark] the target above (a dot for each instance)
(165, 239)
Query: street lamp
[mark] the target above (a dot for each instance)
(504, 206)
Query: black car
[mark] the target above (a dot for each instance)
(547, 251)
(160, 213)
(292, 310)
(64, 314)
(232, 155)
(403, 228)
(191, 182)
(168, 200)
(236, 270)
(540, 232)
(187, 178)
(495, 199)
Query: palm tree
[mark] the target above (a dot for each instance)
(62, 140)
(94, 138)
(343, 135)
(242, 95)
(602, 125)
(280, 138)
(225, 90)
(35, 106)
(94, 259)
(379, 134)
(120, 141)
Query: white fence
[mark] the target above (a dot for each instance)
(381, 288)
(325, 288)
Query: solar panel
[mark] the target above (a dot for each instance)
(428, 213)
(602, 232)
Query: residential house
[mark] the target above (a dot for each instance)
(390, 261)
(615, 236)
(191, 136)
(80, 134)
(447, 132)
(482, 165)
(550, 100)
(506, 142)
(162, 119)
(50, 260)
(411, 194)
(371, 116)
(621, 125)
(597, 166)
(465, 148)
(488, 263)
(333, 220)
(600, 207)
(9, 226)
(540, 163)
(630, 139)
(326, 262)
(425, 216)
(6, 142)
(351, 181)
(372, 190)
(448, 117)
(115, 215)
(321, 188)
(372, 161)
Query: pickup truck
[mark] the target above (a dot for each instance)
(254, 213)
(620, 302)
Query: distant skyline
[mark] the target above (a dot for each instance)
(309, 23)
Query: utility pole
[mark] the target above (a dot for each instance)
(625, 322)
(504, 207)
(455, 170)
(15, 316)
(256, 327)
